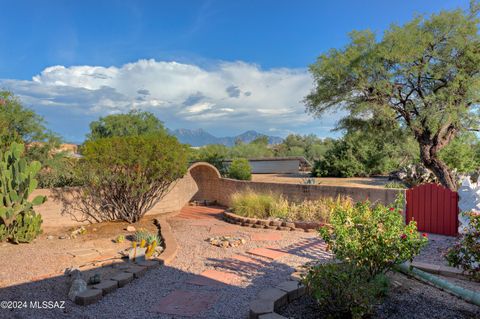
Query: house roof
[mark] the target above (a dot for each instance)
(302, 159)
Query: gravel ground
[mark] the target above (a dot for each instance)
(195, 255)
(412, 300)
(23, 263)
(434, 252)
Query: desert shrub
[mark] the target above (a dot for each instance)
(318, 210)
(372, 237)
(18, 221)
(143, 234)
(124, 177)
(466, 254)
(261, 205)
(395, 185)
(344, 290)
(59, 173)
(240, 169)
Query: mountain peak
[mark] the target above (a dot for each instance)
(200, 137)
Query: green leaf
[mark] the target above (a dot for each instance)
(38, 200)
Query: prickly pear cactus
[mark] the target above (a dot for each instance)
(17, 182)
(26, 227)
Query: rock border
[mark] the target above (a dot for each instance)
(270, 299)
(308, 227)
(440, 270)
(129, 271)
(171, 245)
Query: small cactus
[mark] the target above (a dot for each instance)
(120, 239)
(151, 249)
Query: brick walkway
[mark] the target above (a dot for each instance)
(233, 270)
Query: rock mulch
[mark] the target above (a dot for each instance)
(410, 300)
(437, 247)
(148, 296)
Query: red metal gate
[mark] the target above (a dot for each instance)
(434, 208)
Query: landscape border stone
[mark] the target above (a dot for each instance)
(270, 299)
(440, 270)
(232, 218)
(127, 272)
(88, 297)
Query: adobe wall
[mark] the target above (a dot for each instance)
(203, 182)
(221, 189)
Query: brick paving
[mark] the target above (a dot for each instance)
(200, 212)
(267, 253)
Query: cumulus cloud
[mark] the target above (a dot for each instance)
(230, 95)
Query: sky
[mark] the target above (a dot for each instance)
(224, 66)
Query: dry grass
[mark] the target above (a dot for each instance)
(270, 205)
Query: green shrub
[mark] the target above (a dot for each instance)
(59, 173)
(344, 290)
(124, 177)
(18, 221)
(240, 169)
(395, 185)
(466, 254)
(251, 204)
(143, 234)
(372, 237)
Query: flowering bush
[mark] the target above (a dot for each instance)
(343, 290)
(466, 254)
(373, 237)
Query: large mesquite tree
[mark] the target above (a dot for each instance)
(425, 74)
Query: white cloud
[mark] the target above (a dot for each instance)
(232, 95)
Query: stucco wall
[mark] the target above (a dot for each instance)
(179, 195)
(203, 182)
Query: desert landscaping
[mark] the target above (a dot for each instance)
(235, 159)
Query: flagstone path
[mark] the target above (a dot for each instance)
(244, 267)
(202, 281)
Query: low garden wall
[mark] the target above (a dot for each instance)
(203, 182)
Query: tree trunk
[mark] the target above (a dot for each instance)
(429, 157)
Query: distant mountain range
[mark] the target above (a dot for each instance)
(200, 137)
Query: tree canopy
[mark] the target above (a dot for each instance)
(20, 124)
(424, 74)
(133, 123)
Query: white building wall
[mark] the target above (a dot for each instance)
(275, 167)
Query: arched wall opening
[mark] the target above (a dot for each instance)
(207, 179)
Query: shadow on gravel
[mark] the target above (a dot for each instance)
(163, 292)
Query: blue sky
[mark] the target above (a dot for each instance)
(226, 66)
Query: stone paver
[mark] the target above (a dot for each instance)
(275, 295)
(200, 212)
(248, 260)
(137, 271)
(186, 303)
(267, 253)
(259, 307)
(89, 296)
(123, 278)
(266, 236)
(213, 277)
(107, 286)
